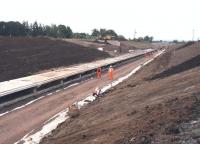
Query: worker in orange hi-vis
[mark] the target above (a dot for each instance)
(99, 72)
(110, 73)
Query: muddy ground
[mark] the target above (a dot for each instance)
(25, 56)
(158, 105)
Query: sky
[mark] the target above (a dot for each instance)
(162, 19)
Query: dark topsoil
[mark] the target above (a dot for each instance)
(158, 105)
(25, 56)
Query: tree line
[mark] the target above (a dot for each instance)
(61, 31)
(144, 39)
(34, 29)
(57, 31)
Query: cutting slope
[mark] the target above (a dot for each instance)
(25, 56)
(107, 47)
(145, 109)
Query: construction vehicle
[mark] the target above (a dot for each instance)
(106, 38)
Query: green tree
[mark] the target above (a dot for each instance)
(47, 30)
(103, 32)
(2, 28)
(111, 33)
(12, 29)
(69, 32)
(80, 35)
(148, 38)
(53, 31)
(35, 29)
(95, 33)
(62, 31)
(26, 27)
(41, 30)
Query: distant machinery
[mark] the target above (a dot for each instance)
(109, 39)
(106, 38)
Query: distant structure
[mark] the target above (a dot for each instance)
(134, 34)
(106, 38)
(109, 40)
(193, 31)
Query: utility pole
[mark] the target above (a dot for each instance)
(135, 34)
(193, 31)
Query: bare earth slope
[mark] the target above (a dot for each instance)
(158, 105)
(25, 56)
(107, 47)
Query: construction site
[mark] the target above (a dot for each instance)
(50, 97)
(158, 104)
(99, 72)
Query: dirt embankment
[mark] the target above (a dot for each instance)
(124, 47)
(159, 105)
(25, 56)
(138, 45)
(111, 49)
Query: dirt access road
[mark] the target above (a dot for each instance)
(16, 124)
(160, 104)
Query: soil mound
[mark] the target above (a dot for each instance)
(185, 45)
(174, 61)
(189, 64)
(25, 56)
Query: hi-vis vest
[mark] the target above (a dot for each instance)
(110, 73)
